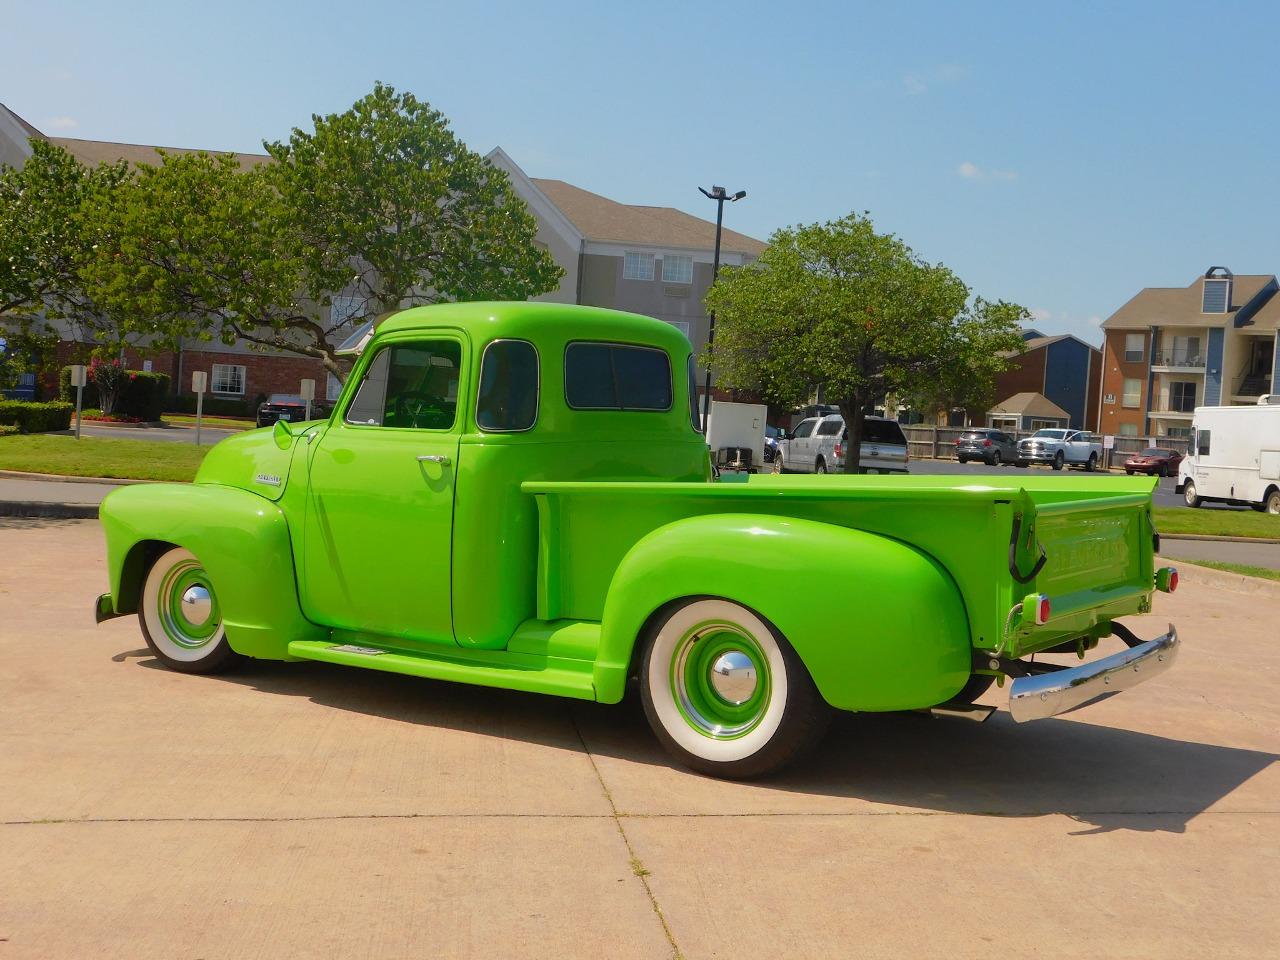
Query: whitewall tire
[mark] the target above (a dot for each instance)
(180, 615)
(725, 693)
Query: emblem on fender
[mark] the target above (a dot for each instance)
(270, 479)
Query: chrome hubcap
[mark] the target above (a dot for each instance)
(196, 605)
(733, 677)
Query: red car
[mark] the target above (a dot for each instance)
(1155, 461)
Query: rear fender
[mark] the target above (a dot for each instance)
(242, 540)
(879, 624)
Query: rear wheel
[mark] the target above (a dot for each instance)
(995, 459)
(726, 694)
(180, 617)
(1189, 495)
(1272, 502)
(963, 459)
(820, 466)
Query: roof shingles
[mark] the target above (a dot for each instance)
(1181, 306)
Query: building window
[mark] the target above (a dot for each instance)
(1045, 424)
(637, 266)
(1216, 296)
(332, 387)
(1186, 353)
(1179, 433)
(677, 268)
(1182, 396)
(681, 325)
(1128, 430)
(1135, 347)
(228, 378)
(1132, 393)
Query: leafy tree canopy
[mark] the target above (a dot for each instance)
(840, 305)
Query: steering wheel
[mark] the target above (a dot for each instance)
(418, 410)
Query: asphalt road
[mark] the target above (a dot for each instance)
(208, 437)
(296, 810)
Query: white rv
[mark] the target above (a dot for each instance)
(1234, 456)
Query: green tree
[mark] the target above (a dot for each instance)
(840, 305)
(46, 237)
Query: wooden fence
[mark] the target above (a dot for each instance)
(940, 442)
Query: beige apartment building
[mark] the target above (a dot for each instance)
(1171, 349)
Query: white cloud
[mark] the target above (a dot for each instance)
(944, 74)
(1040, 314)
(61, 123)
(971, 171)
(914, 84)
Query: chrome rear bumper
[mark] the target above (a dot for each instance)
(1049, 694)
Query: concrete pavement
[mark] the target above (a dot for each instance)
(304, 810)
(1231, 551)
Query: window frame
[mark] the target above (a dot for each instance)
(244, 378)
(671, 394)
(667, 258)
(369, 358)
(652, 260)
(1124, 396)
(537, 379)
(1141, 351)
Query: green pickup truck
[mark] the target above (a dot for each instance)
(518, 495)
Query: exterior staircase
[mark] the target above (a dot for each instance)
(1254, 386)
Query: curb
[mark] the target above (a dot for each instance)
(1225, 580)
(1203, 536)
(48, 511)
(63, 478)
(122, 425)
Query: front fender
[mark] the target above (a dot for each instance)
(879, 624)
(242, 540)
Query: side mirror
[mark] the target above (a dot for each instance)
(282, 435)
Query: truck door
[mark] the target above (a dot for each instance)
(378, 534)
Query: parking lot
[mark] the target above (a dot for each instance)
(304, 810)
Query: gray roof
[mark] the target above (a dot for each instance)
(1032, 405)
(93, 152)
(1180, 306)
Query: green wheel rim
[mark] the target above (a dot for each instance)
(702, 707)
(174, 619)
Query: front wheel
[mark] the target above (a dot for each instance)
(1059, 460)
(1189, 495)
(1272, 503)
(777, 462)
(726, 694)
(180, 617)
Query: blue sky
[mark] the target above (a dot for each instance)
(1061, 156)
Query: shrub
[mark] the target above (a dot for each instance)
(213, 406)
(107, 376)
(7, 429)
(143, 394)
(30, 417)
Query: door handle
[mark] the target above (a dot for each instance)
(434, 458)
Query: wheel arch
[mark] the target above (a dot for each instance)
(911, 649)
(241, 539)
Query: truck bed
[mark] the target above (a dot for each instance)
(1096, 535)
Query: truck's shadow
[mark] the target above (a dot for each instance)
(1106, 778)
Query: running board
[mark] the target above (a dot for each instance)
(487, 668)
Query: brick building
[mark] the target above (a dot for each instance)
(1168, 350)
(1063, 370)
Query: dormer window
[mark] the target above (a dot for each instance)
(1217, 290)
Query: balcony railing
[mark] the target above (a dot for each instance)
(1179, 360)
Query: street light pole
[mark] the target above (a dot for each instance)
(719, 195)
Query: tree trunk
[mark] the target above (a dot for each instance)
(851, 409)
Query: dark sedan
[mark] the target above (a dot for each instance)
(1155, 461)
(285, 406)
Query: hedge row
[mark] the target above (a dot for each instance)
(216, 406)
(143, 393)
(30, 417)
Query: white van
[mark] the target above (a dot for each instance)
(1234, 456)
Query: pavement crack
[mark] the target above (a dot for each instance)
(637, 865)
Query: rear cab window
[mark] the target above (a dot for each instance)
(617, 376)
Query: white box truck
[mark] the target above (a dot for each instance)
(735, 434)
(1234, 456)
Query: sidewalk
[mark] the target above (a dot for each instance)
(51, 498)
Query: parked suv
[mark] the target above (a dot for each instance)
(819, 443)
(991, 446)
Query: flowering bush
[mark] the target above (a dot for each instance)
(107, 376)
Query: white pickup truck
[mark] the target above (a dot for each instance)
(1061, 448)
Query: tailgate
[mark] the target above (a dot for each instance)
(1093, 557)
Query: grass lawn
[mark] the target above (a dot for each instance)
(91, 457)
(215, 423)
(1215, 523)
(1244, 568)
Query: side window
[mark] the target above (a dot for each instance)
(1202, 442)
(508, 397)
(413, 385)
(804, 430)
(615, 376)
(829, 428)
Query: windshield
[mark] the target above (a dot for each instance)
(1051, 434)
(1155, 452)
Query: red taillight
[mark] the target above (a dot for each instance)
(839, 450)
(957, 443)
(1173, 581)
(986, 443)
(1042, 610)
(1167, 579)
